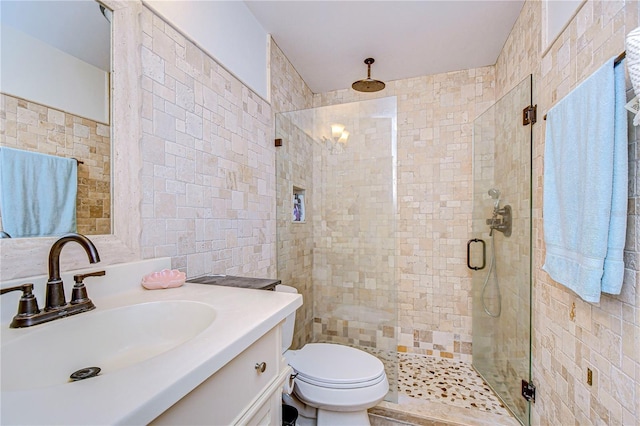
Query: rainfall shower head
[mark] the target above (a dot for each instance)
(368, 84)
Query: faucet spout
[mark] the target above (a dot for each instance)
(56, 248)
(55, 298)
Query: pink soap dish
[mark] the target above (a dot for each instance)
(167, 278)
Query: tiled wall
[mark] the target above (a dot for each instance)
(294, 161)
(354, 219)
(289, 92)
(208, 161)
(501, 324)
(34, 127)
(435, 116)
(210, 191)
(603, 337)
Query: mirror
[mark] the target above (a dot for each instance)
(26, 257)
(55, 74)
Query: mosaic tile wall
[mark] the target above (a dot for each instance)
(603, 337)
(346, 246)
(295, 244)
(435, 115)
(354, 228)
(185, 92)
(293, 161)
(208, 161)
(34, 127)
(501, 324)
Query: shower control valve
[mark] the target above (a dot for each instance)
(503, 223)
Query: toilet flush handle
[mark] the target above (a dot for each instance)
(261, 367)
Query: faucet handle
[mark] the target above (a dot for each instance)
(28, 304)
(80, 277)
(79, 293)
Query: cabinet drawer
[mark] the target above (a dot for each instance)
(223, 397)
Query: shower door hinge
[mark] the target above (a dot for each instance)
(529, 391)
(529, 115)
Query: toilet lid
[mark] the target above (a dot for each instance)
(331, 365)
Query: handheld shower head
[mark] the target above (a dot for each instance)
(495, 194)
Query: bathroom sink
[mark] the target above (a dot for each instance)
(111, 340)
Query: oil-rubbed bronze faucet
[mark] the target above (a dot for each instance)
(56, 305)
(55, 289)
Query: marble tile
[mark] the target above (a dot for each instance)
(421, 412)
(384, 417)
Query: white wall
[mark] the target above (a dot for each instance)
(227, 31)
(558, 15)
(38, 72)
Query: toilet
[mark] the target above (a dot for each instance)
(333, 384)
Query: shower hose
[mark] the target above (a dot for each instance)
(492, 270)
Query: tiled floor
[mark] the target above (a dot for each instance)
(446, 381)
(436, 391)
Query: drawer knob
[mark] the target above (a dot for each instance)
(261, 367)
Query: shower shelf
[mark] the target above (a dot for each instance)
(299, 208)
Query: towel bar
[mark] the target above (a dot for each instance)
(619, 59)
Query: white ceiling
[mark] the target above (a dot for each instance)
(327, 41)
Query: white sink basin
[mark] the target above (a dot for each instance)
(111, 340)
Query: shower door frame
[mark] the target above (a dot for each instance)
(516, 134)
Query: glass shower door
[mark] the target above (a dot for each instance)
(500, 248)
(338, 163)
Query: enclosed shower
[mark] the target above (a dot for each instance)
(338, 244)
(336, 224)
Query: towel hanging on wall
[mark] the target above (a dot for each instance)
(585, 185)
(37, 193)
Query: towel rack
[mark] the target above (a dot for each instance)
(619, 59)
(78, 161)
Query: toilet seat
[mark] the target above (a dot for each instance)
(329, 385)
(336, 366)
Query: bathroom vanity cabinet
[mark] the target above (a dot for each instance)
(246, 391)
(197, 354)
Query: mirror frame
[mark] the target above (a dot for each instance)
(26, 257)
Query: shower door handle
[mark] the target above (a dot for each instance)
(484, 254)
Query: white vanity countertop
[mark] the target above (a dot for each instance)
(139, 393)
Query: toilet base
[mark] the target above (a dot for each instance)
(311, 416)
(343, 418)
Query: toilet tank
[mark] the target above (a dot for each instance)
(289, 322)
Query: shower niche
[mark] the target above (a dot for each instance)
(299, 211)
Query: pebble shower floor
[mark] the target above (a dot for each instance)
(446, 381)
(438, 391)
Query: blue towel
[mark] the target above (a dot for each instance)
(614, 263)
(585, 185)
(37, 193)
